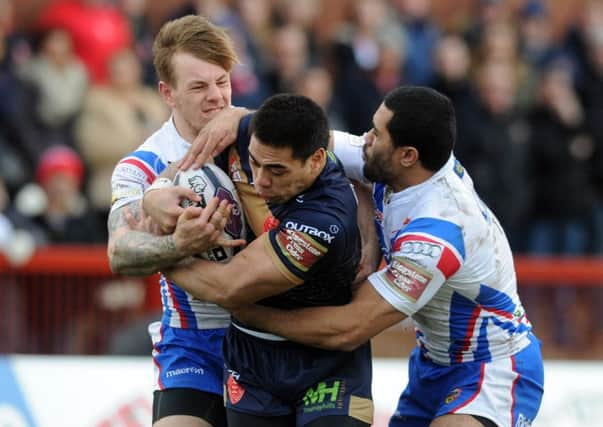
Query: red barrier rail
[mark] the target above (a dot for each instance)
(550, 271)
(66, 300)
(532, 270)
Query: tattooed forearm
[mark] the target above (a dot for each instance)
(135, 252)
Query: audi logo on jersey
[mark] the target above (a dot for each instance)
(421, 248)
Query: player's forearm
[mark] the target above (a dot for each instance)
(199, 279)
(134, 252)
(137, 253)
(243, 280)
(324, 327)
(371, 252)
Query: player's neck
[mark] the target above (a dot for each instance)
(410, 177)
(185, 131)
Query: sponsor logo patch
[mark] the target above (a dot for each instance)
(406, 278)
(124, 193)
(453, 395)
(128, 171)
(234, 389)
(299, 248)
(325, 395)
(312, 231)
(523, 421)
(270, 223)
(417, 247)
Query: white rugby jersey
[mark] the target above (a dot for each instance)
(132, 175)
(449, 265)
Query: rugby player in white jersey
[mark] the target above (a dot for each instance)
(193, 59)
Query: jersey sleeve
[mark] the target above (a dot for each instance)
(424, 255)
(348, 149)
(132, 175)
(301, 240)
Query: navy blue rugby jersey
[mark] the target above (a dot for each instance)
(313, 238)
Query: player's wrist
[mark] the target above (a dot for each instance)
(161, 182)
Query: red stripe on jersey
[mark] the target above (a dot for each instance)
(448, 263)
(183, 320)
(468, 334)
(501, 313)
(148, 172)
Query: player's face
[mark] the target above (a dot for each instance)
(379, 149)
(201, 90)
(277, 176)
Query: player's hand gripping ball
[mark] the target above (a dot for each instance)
(210, 181)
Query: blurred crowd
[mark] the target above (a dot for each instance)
(78, 92)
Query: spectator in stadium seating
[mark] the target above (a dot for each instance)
(20, 144)
(307, 256)
(60, 81)
(135, 11)
(560, 202)
(537, 39)
(486, 14)
(452, 75)
(66, 217)
(501, 44)
(590, 89)
(317, 84)
(115, 118)
(291, 58)
(256, 31)
(421, 35)
(493, 145)
(449, 267)
(17, 241)
(302, 14)
(355, 53)
(97, 28)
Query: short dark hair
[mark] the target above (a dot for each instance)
(287, 120)
(423, 118)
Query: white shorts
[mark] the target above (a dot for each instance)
(506, 391)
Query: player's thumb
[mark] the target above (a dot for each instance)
(187, 193)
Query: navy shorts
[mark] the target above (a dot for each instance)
(274, 378)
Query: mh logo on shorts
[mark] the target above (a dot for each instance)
(326, 395)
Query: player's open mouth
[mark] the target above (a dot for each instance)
(213, 109)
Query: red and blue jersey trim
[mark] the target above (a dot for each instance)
(148, 162)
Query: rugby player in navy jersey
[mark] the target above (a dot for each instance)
(307, 257)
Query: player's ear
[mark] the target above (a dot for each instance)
(408, 156)
(166, 93)
(317, 158)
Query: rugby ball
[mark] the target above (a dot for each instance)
(211, 181)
